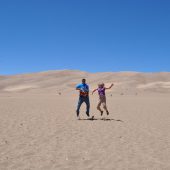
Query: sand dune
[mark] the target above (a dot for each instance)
(67, 79)
(157, 84)
(19, 88)
(39, 129)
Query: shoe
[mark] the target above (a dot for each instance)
(101, 113)
(87, 113)
(107, 112)
(77, 113)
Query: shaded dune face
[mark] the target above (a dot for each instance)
(19, 88)
(67, 80)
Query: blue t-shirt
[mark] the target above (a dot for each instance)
(84, 89)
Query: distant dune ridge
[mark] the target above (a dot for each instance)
(67, 79)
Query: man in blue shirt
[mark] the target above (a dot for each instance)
(83, 97)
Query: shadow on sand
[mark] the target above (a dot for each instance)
(104, 119)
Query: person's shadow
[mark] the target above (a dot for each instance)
(103, 119)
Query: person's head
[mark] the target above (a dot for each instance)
(101, 85)
(84, 81)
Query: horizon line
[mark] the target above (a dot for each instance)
(36, 72)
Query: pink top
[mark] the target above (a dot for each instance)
(101, 91)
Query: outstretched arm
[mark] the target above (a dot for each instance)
(93, 91)
(110, 86)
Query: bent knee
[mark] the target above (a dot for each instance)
(98, 107)
(104, 106)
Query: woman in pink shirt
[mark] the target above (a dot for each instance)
(102, 97)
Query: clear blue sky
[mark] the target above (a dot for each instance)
(89, 35)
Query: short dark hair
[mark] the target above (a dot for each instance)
(83, 80)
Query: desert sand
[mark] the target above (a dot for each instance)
(39, 129)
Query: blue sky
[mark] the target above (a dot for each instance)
(89, 35)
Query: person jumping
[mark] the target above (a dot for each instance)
(102, 97)
(83, 89)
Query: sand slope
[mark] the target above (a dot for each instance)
(39, 129)
(65, 80)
